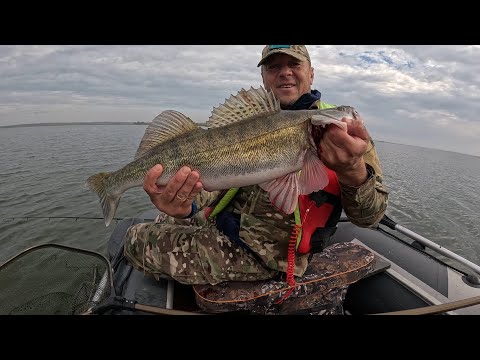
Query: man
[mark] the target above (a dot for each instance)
(248, 239)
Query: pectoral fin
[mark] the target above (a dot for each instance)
(283, 192)
(313, 176)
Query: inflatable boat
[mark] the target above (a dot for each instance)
(412, 275)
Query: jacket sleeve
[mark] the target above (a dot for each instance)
(365, 205)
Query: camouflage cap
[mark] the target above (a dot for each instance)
(297, 51)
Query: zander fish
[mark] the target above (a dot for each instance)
(249, 140)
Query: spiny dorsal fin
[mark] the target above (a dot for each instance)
(244, 105)
(168, 125)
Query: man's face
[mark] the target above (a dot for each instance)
(287, 77)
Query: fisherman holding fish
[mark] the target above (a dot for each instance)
(260, 223)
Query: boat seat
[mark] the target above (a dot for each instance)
(380, 266)
(322, 287)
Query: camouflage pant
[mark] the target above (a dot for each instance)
(190, 254)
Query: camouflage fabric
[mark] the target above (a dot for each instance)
(321, 290)
(193, 251)
(267, 231)
(364, 205)
(190, 254)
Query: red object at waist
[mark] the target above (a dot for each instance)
(313, 216)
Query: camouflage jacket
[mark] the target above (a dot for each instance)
(262, 226)
(364, 205)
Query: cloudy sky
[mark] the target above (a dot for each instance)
(418, 95)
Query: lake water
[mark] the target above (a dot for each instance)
(43, 171)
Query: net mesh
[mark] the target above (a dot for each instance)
(54, 280)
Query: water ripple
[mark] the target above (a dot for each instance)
(44, 169)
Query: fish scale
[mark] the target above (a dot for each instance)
(249, 140)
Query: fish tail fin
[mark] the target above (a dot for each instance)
(109, 202)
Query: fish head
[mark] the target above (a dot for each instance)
(339, 116)
(335, 113)
(324, 117)
(345, 111)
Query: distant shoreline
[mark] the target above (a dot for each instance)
(199, 124)
(77, 123)
(82, 123)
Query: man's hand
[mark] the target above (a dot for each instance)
(342, 151)
(175, 198)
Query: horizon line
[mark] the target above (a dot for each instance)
(198, 123)
(84, 123)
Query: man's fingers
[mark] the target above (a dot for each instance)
(357, 128)
(149, 183)
(354, 137)
(336, 137)
(177, 195)
(197, 187)
(175, 183)
(181, 185)
(187, 191)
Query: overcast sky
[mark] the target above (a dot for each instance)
(418, 95)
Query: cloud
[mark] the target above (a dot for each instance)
(419, 95)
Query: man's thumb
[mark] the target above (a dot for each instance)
(357, 128)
